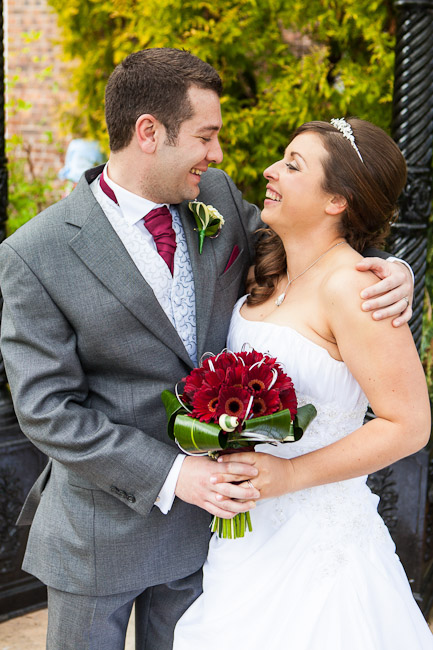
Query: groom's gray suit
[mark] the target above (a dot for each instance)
(88, 351)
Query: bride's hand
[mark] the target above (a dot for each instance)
(275, 477)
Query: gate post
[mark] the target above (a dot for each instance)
(406, 488)
(20, 461)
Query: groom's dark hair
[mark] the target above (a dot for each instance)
(154, 81)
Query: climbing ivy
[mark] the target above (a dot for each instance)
(282, 62)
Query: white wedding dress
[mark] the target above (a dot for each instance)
(319, 571)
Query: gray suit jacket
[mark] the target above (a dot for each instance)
(88, 351)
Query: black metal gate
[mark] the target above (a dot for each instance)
(406, 488)
(20, 461)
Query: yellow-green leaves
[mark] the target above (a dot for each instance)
(282, 62)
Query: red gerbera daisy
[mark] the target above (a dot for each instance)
(205, 404)
(214, 379)
(288, 401)
(259, 378)
(265, 402)
(233, 401)
(193, 382)
(221, 361)
(249, 358)
(283, 382)
(236, 376)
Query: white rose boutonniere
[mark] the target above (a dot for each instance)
(209, 221)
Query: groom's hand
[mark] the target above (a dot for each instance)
(393, 295)
(222, 499)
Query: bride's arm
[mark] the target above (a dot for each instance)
(384, 361)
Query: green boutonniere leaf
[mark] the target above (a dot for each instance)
(209, 221)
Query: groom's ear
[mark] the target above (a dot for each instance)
(148, 132)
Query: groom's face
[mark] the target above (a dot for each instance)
(175, 174)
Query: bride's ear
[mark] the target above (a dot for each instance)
(336, 205)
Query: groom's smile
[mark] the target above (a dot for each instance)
(178, 167)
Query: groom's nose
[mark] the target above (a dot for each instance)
(215, 153)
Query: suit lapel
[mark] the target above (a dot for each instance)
(101, 250)
(204, 269)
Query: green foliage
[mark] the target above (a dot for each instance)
(27, 193)
(345, 67)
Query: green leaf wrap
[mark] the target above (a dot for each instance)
(276, 426)
(172, 408)
(195, 436)
(303, 418)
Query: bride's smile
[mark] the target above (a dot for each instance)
(295, 198)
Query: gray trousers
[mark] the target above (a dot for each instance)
(78, 622)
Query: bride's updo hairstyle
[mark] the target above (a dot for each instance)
(371, 187)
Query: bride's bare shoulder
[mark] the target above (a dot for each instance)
(343, 283)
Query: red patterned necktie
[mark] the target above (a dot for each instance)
(159, 224)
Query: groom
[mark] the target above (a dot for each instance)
(101, 314)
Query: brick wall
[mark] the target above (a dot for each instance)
(27, 59)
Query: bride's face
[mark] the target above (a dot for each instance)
(294, 194)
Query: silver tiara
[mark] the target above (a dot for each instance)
(345, 128)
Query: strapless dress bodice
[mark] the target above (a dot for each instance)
(318, 379)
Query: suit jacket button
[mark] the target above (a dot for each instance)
(115, 489)
(131, 498)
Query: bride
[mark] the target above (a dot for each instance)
(319, 571)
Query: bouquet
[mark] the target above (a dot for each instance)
(233, 402)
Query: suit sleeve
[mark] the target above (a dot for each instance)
(50, 394)
(375, 252)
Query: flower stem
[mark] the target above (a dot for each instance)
(201, 236)
(232, 528)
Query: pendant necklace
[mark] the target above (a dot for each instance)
(279, 301)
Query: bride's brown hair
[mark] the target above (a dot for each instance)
(371, 188)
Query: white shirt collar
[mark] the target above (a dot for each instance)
(132, 206)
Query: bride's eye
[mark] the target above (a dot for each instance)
(291, 166)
